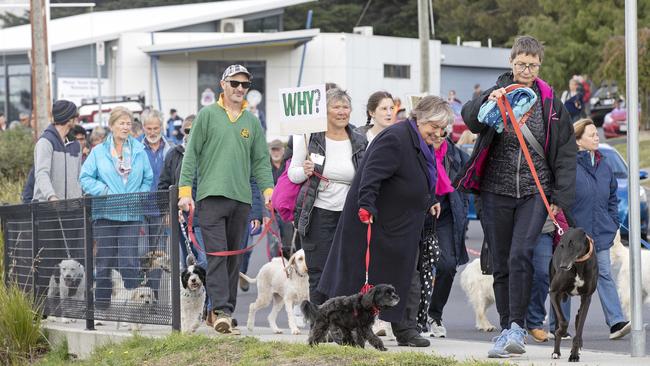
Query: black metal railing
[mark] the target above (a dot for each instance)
(113, 258)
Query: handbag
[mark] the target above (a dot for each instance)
(430, 246)
(486, 260)
(284, 195)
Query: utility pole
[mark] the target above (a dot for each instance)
(632, 96)
(423, 33)
(41, 98)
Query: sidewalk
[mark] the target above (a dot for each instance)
(81, 342)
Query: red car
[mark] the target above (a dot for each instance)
(615, 122)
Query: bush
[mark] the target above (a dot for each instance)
(16, 154)
(10, 190)
(21, 335)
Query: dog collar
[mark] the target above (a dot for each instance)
(590, 252)
(190, 293)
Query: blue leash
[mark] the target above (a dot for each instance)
(643, 242)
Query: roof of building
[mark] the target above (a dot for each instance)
(84, 29)
(212, 41)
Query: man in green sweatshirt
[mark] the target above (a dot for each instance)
(227, 146)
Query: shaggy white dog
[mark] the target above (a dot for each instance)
(479, 291)
(620, 257)
(284, 284)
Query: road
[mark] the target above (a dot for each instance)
(458, 316)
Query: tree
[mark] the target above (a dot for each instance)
(11, 20)
(613, 67)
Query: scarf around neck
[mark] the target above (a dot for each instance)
(122, 164)
(443, 184)
(427, 151)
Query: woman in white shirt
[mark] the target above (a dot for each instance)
(380, 110)
(326, 164)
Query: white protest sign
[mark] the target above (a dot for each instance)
(75, 89)
(302, 110)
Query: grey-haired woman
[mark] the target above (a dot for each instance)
(326, 165)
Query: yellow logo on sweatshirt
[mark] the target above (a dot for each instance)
(245, 133)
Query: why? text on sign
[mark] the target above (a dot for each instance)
(302, 110)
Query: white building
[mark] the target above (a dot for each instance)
(174, 53)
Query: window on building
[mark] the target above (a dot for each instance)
(268, 24)
(397, 71)
(3, 93)
(20, 90)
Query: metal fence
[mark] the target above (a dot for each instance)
(113, 258)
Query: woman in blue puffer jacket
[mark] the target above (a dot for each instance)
(118, 165)
(596, 211)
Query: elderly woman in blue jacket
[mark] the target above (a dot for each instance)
(596, 211)
(119, 165)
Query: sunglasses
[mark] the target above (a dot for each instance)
(235, 84)
(187, 131)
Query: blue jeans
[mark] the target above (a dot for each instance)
(117, 248)
(539, 290)
(606, 293)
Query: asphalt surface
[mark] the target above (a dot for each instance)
(458, 316)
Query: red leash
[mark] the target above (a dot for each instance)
(504, 106)
(267, 229)
(367, 286)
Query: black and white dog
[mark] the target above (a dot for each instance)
(192, 297)
(67, 284)
(573, 272)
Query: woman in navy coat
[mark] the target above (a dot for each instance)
(393, 190)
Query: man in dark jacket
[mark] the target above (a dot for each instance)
(513, 211)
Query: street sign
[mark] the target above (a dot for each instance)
(99, 52)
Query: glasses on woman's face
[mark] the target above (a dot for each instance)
(520, 67)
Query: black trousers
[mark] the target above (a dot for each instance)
(407, 328)
(446, 266)
(317, 244)
(223, 223)
(512, 227)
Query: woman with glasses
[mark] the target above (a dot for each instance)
(513, 212)
(119, 165)
(326, 164)
(393, 191)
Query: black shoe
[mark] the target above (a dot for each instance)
(619, 330)
(415, 341)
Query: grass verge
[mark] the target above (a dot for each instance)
(178, 349)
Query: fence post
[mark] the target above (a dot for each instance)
(176, 275)
(5, 233)
(90, 265)
(35, 260)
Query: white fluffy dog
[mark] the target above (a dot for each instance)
(283, 283)
(620, 257)
(479, 291)
(68, 284)
(142, 297)
(192, 297)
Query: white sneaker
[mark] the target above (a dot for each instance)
(437, 329)
(551, 336)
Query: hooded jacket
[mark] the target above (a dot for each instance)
(560, 145)
(57, 164)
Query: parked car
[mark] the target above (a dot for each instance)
(89, 109)
(620, 169)
(615, 122)
(458, 127)
(602, 102)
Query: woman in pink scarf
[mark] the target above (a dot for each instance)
(450, 229)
